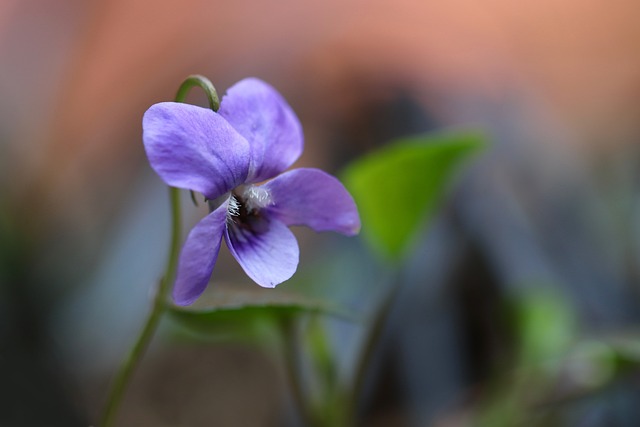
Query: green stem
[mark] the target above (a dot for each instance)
(290, 353)
(365, 357)
(132, 360)
(204, 84)
(128, 366)
(212, 96)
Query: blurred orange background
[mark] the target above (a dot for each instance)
(76, 76)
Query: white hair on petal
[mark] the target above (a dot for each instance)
(234, 208)
(256, 197)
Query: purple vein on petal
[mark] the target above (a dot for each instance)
(266, 250)
(313, 198)
(260, 114)
(194, 148)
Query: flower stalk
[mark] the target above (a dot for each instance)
(128, 366)
(290, 353)
(370, 342)
(205, 84)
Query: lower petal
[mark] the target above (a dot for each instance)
(313, 198)
(266, 250)
(199, 256)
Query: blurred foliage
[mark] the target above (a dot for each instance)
(398, 187)
(544, 325)
(554, 368)
(543, 329)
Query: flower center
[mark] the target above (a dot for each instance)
(245, 205)
(255, 198)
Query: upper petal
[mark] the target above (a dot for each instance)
(266, 250)
(194, 148)
(313, 198)
(198, 256)
(260, 114)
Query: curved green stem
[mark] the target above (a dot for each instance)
(205, 84)
(128, 366)
(212, 96)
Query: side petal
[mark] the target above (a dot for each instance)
(260, 114)
(266, 250)
(313, 198)
(199, 255)
(194, 148)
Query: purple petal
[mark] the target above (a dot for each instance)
(263, 117)
(194, 148)
(266, 250)
(313, 198)
(199, 255)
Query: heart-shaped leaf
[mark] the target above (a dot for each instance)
(246, 314)
(398, 187)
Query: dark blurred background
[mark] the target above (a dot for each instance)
(544, 221)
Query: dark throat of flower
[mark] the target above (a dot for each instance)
(245, 212)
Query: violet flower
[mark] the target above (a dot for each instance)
(253, 137)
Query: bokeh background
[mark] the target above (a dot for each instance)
(545, 219)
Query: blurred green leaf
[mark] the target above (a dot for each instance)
(398, 187)
(545, 325)
(246, 315)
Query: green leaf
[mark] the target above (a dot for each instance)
(246, 314)
(545, 325)
(398, 187)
